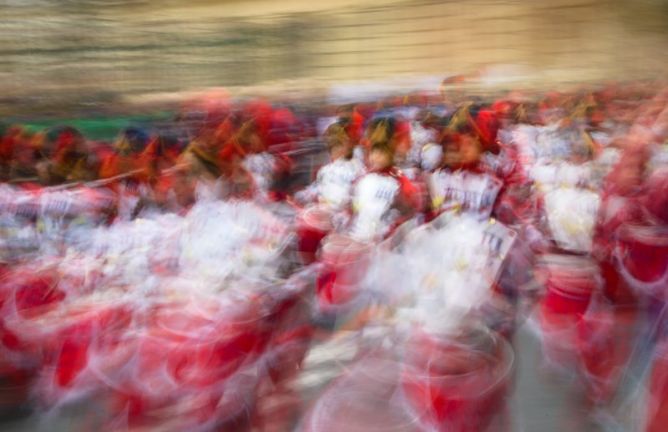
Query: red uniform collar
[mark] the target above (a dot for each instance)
(391, 171)
(475, 168)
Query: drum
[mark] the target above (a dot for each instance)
(190, 365)
(207, 349)
(366, 399)
(570, 281)
(345, 264)
(313, 225)
(73, 338)
(642, 256)
(462, 378)
(26, 298)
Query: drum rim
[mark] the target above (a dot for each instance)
(575, 265)
(411, 418)
(307, 219)
(641, 233)
(499, 343)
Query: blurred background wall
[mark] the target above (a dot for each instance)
(81, 54)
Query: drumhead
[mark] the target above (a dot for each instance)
(317, 217)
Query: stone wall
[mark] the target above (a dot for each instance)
(93, 51)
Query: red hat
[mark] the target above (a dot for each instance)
(260, 112)
(283, 126)
(486, 126)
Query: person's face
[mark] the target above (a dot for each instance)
(403, 145)
(251, 141)
(379, 160)
(225, 131)
(184, 188)
(164, 162)
(336, 151)
(451, 156)
(469, 149)
(339, 149)
(24, 154)
(629, 175)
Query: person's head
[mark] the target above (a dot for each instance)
(451, 157)
(183, 184)
(167, 149)
(229, 158)
(338, 143)
(226, 129)
(629, 172)
(470, 149)
(381, 131)
(24, 151)
(249, 138)
(68, 142)
(132, 141)
(486, 125)
(461, 148)
(381, 157)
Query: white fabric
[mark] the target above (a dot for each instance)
(473, 193)
(373, 197)
(262, 167)
(571, 215)
(334, 182)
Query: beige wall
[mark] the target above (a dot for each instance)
(162, 46)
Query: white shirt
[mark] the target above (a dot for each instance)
(420, 137)
(373, 197)
(334, 182)
(473, 193)
(262, 167)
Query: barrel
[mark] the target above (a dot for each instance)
(345, 262)
(313, 224)
(642, 257)
(570, 282)
(365, 399)
(463, 378)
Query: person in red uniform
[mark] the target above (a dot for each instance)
(463, 184)
(384, 197)
(238, 183)
(332, 185)
(267, 166)
(514, 205)
(160, 154)
(326, 200)
(126, 158)
(7, 144)
(23, 166)
(620, 204)
(70, 160)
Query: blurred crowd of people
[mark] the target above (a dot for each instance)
(244, 150)
(570, 189)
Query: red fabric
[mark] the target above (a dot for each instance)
(356, 127)
(459, 391)
(487, 127)
(655, 198)
(610, 219)
(7, 145)
(260, 112)
(562, 300)
(308, 242)
(284, 129)
(409, 192)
